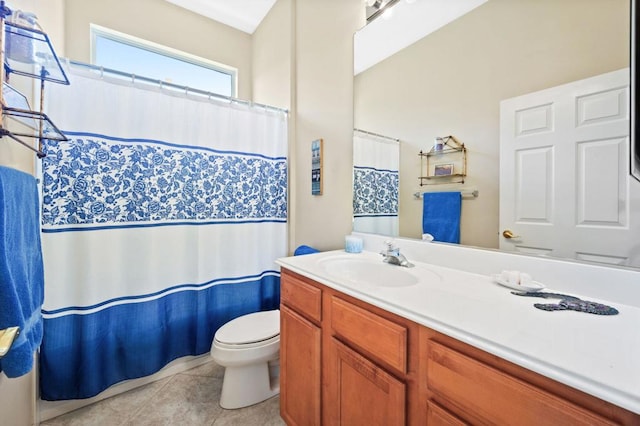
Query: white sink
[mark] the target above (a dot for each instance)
(375, 272)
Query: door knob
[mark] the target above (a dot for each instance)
(508, 234)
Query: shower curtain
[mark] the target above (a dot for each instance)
(161, 217)
(375, 184)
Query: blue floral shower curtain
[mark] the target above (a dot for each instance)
(376, 164)
(162, 218)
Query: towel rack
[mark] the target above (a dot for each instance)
(7, 336)
(466, 193)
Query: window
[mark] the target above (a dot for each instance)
(121, 52)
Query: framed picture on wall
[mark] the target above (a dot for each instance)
(443, 169)
(316, 167)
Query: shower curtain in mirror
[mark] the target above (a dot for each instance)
(162, 218)
(375, 184)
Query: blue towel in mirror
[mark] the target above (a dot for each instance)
(441, 216)
(21, 268)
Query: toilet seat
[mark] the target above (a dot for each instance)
(239, 346)
(255, 329)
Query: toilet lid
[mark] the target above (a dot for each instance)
(250, 328)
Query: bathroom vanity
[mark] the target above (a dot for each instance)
(442, 346)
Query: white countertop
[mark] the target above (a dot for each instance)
(597, 354)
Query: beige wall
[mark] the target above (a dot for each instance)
(163, 23)
(310, 42)
(303, 61)
(17, 400)
(451, 83)
(272, 56)
(323, 109)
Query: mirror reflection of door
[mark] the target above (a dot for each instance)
(565, 189)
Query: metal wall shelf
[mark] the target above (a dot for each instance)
(446, 163)
(16, 107)
(29, 52)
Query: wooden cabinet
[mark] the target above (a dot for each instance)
(368, 376)
(371, 333)
(461, 384)
(300, 354)
(484, 394)
(301, 296)
(345, 362)
(365, 366)
(361, 392)
(439, 416)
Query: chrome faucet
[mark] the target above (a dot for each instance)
(392, 256)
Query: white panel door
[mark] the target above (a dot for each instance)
(565, 189)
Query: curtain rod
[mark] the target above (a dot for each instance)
(376, 134)
(161, 83)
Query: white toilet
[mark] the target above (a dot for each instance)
(249, 349)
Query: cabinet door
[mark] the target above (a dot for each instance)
(360, 392)
(299, 369)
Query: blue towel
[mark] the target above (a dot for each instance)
(21, 268)
(441, 216)
(302, 250)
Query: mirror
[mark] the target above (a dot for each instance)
(635, 141)
(451, 82)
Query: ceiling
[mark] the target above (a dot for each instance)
(409, 21)
(244, 15)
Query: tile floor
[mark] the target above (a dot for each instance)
(185, 399)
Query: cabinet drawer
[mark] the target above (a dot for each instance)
(483, 393)
(380, 337)
(305, 298)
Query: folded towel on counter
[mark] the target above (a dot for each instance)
(441, 216)
(21, 268)
(301, 250)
